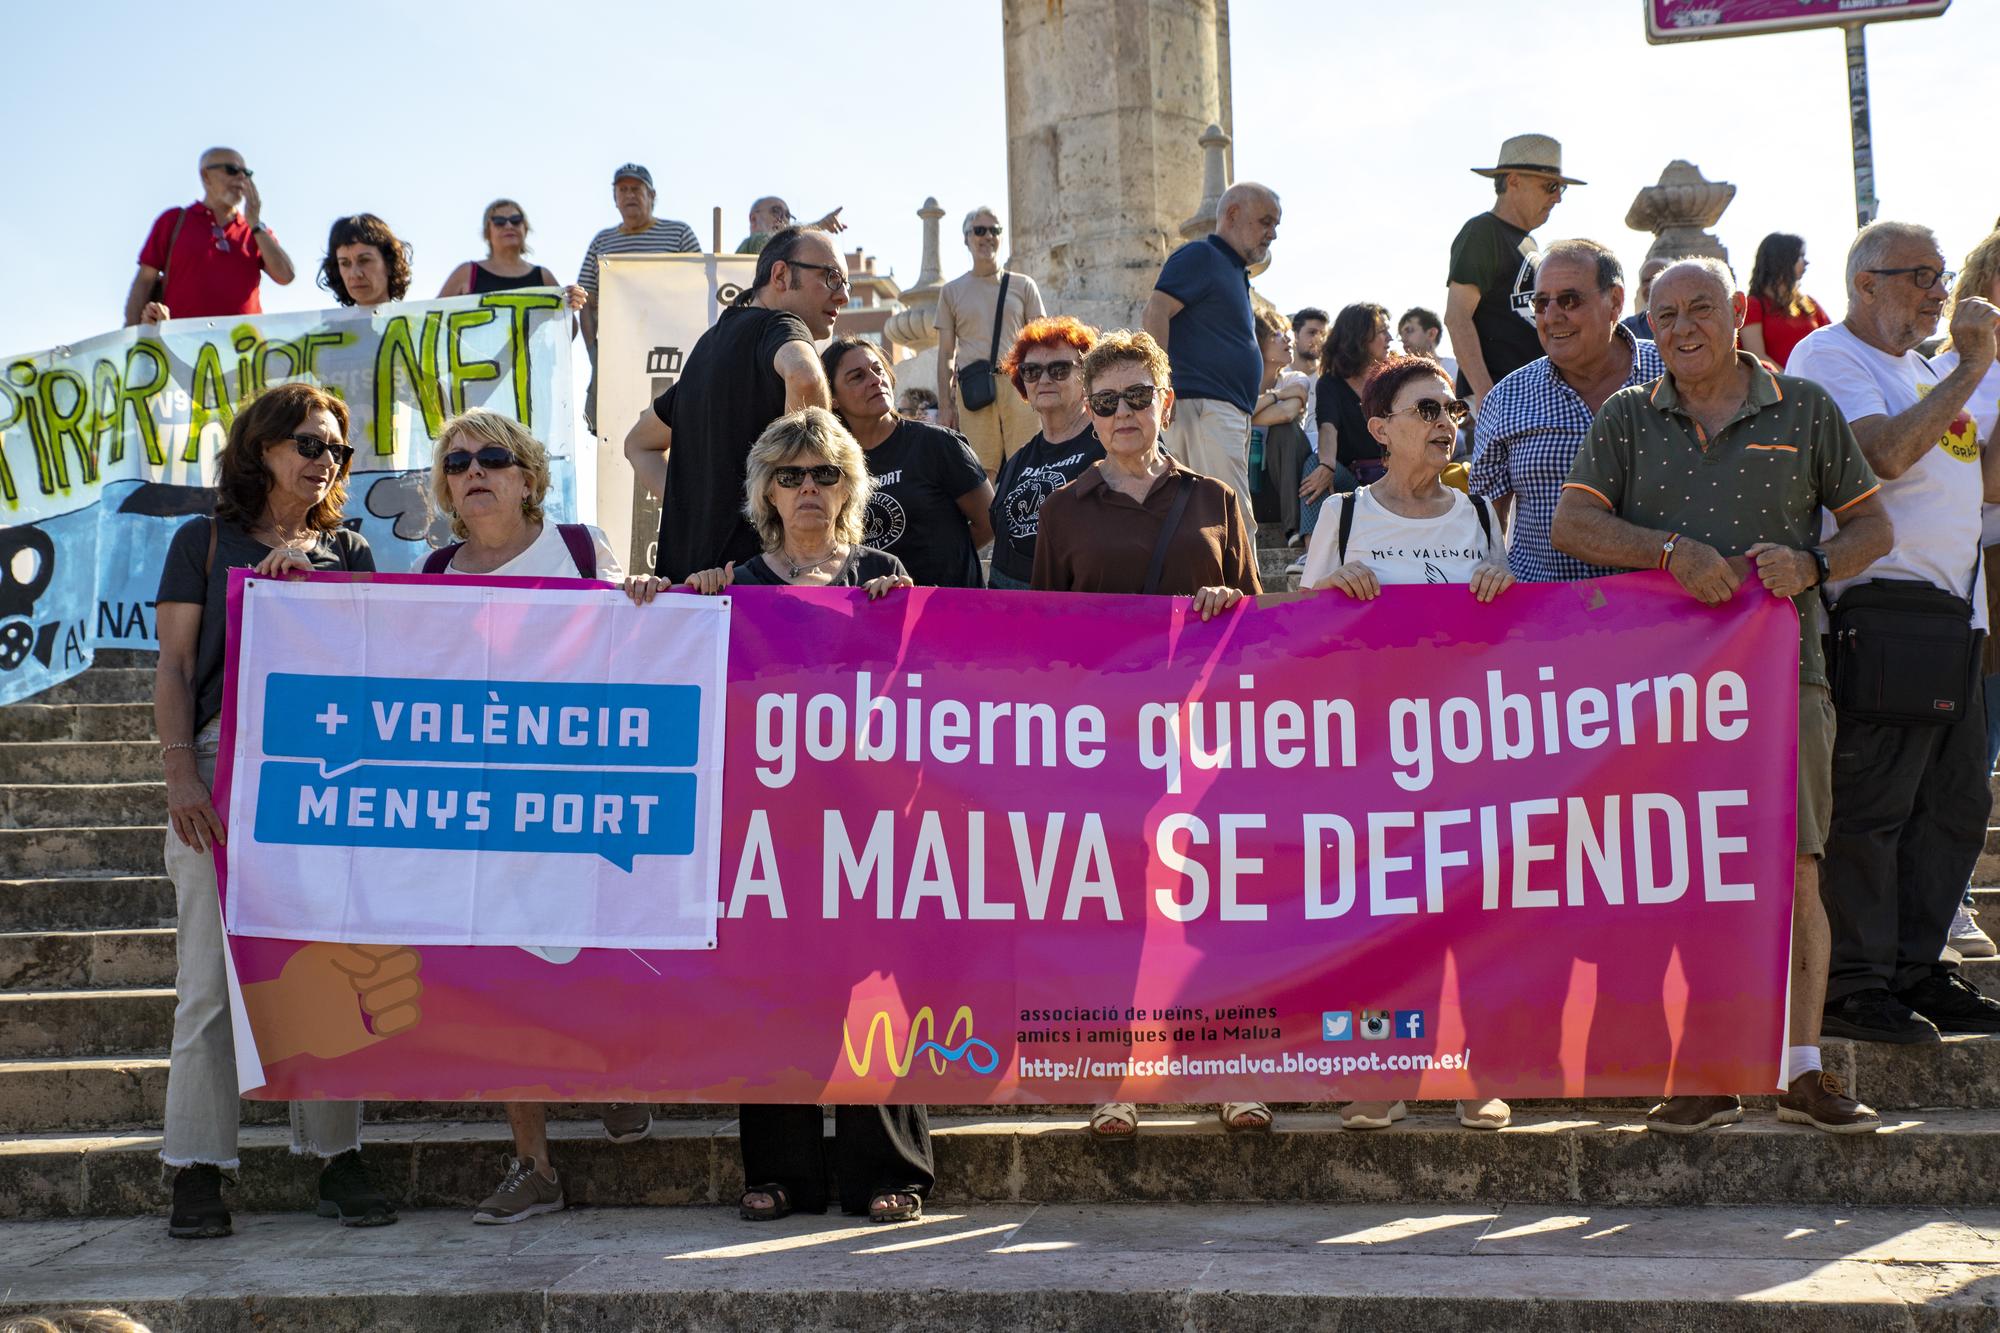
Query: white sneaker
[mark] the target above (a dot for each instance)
(1968, 938)
(1297, 566)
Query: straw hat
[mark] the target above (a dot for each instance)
(1535, 154)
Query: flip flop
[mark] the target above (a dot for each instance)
(889, 1207)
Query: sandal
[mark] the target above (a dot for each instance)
(895, 1206)
(1231, 1112)
(1115, 1120)
(780, 1205)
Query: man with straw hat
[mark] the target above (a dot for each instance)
(1493, 262)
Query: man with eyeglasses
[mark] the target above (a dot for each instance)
(1493, 261)
(1200, 312)
(771, 215)
(979, 315)
(1537, 417)
(692, 446)
(1718, 473)
(208, 258)
(1910, 800)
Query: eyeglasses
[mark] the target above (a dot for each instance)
(507, 219)
(1430, 409)
(312, 446)
(1057, 371)
(1563, 301)
(834, 278)
(491, 458)
(791, 478)
(221, 236)
(232, 169)
(1138, 397)
(981, 229)
(1923, 275)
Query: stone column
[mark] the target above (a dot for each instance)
(1107, 105)
(915, 325)
(1678, 211)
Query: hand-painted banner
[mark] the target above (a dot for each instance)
(106, 447)
(989, 847)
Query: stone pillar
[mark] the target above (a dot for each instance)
(1107, 105)
(1678, 211)
(915, 325)
(1214, 180)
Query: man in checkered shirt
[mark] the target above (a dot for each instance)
(1532, 423)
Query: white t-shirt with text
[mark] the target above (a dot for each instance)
(1445, 549)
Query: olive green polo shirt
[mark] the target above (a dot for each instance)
(1764, 477)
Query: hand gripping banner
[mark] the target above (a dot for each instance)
(996, 847)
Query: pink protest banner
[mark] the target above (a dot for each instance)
(987, 847)
(1685, 20)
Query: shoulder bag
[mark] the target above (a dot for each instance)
(976, 389)
(173, 239)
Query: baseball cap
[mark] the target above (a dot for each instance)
(634, 170)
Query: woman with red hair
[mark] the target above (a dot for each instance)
(1044, 366)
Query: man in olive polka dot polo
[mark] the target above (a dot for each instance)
(1717, 473)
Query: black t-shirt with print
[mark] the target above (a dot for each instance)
(1340, 413)
(726, 395)
(920, 472)
(863, 563)
(1500, 260)
(1029, 477)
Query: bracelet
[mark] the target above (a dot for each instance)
(1667, 550)
(175, 745)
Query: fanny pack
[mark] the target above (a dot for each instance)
(976, 389)
(1904, 652)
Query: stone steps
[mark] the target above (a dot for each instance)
(1000, 1268)
(103, 685)
(85, 959)
(26, 805)
(73, 762)
(85, 1022)
(76, 722)
(45, 852)
(1941, 1158)
(107, 900)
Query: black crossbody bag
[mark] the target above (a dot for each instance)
(1904, 652)
(976, 389)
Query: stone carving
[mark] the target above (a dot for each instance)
(1679, 210)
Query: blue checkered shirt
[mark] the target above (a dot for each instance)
(1527, 435)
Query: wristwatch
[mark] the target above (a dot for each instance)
(258, 227)
(1818, 553)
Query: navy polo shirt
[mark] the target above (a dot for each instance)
(1212, 342)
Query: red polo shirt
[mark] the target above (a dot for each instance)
(202, 277)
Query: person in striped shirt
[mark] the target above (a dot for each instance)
(637, 232)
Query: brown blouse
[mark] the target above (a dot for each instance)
(1095, 538)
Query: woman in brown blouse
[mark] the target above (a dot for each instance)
(1099, 532)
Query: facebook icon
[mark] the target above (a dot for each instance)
(1410, 1023)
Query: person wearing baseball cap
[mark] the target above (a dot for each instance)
(1493, 261)
(637, 232)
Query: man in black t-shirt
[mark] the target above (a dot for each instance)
(692, 445)
(1493, 260)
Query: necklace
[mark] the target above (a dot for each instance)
(798, 569)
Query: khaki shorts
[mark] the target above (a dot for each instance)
(1815, 768)
(1001, 427)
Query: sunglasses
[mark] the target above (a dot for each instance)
(221, 237)
(791, 478)
(982, 229)
(491, 458)
(1563, 301)
(232, 169)
(1138, 397)
(1430, 409)
(1057, 371)
(1923, 275)
(507, 219)
(312, 446)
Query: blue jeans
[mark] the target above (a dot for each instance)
(1004, 582)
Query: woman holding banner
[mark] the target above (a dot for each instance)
(1046, 366)
(1407, 526)
(806, 492)
(1138, 522)
(506, 267)
(490, 477)
(282, 485)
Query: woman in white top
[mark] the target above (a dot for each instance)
(1409, 527)
(490, 477)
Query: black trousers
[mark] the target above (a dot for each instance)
(1910, 806)
(875, 1150)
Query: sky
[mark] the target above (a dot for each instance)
(1365, 117)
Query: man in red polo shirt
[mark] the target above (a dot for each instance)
(220, 250)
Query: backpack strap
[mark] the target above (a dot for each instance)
(1347, 502)
(440, 560)
(166, 261)
(582, 549)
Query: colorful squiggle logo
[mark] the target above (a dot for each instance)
(978, 1055)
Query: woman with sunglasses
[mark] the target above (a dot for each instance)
(490, 477)
(1137, 521)
(281, 488)
(1045, 365)
(505, 267)
(929, 504)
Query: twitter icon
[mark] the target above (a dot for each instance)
(1337, 1026)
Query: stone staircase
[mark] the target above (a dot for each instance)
(86, 1008)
